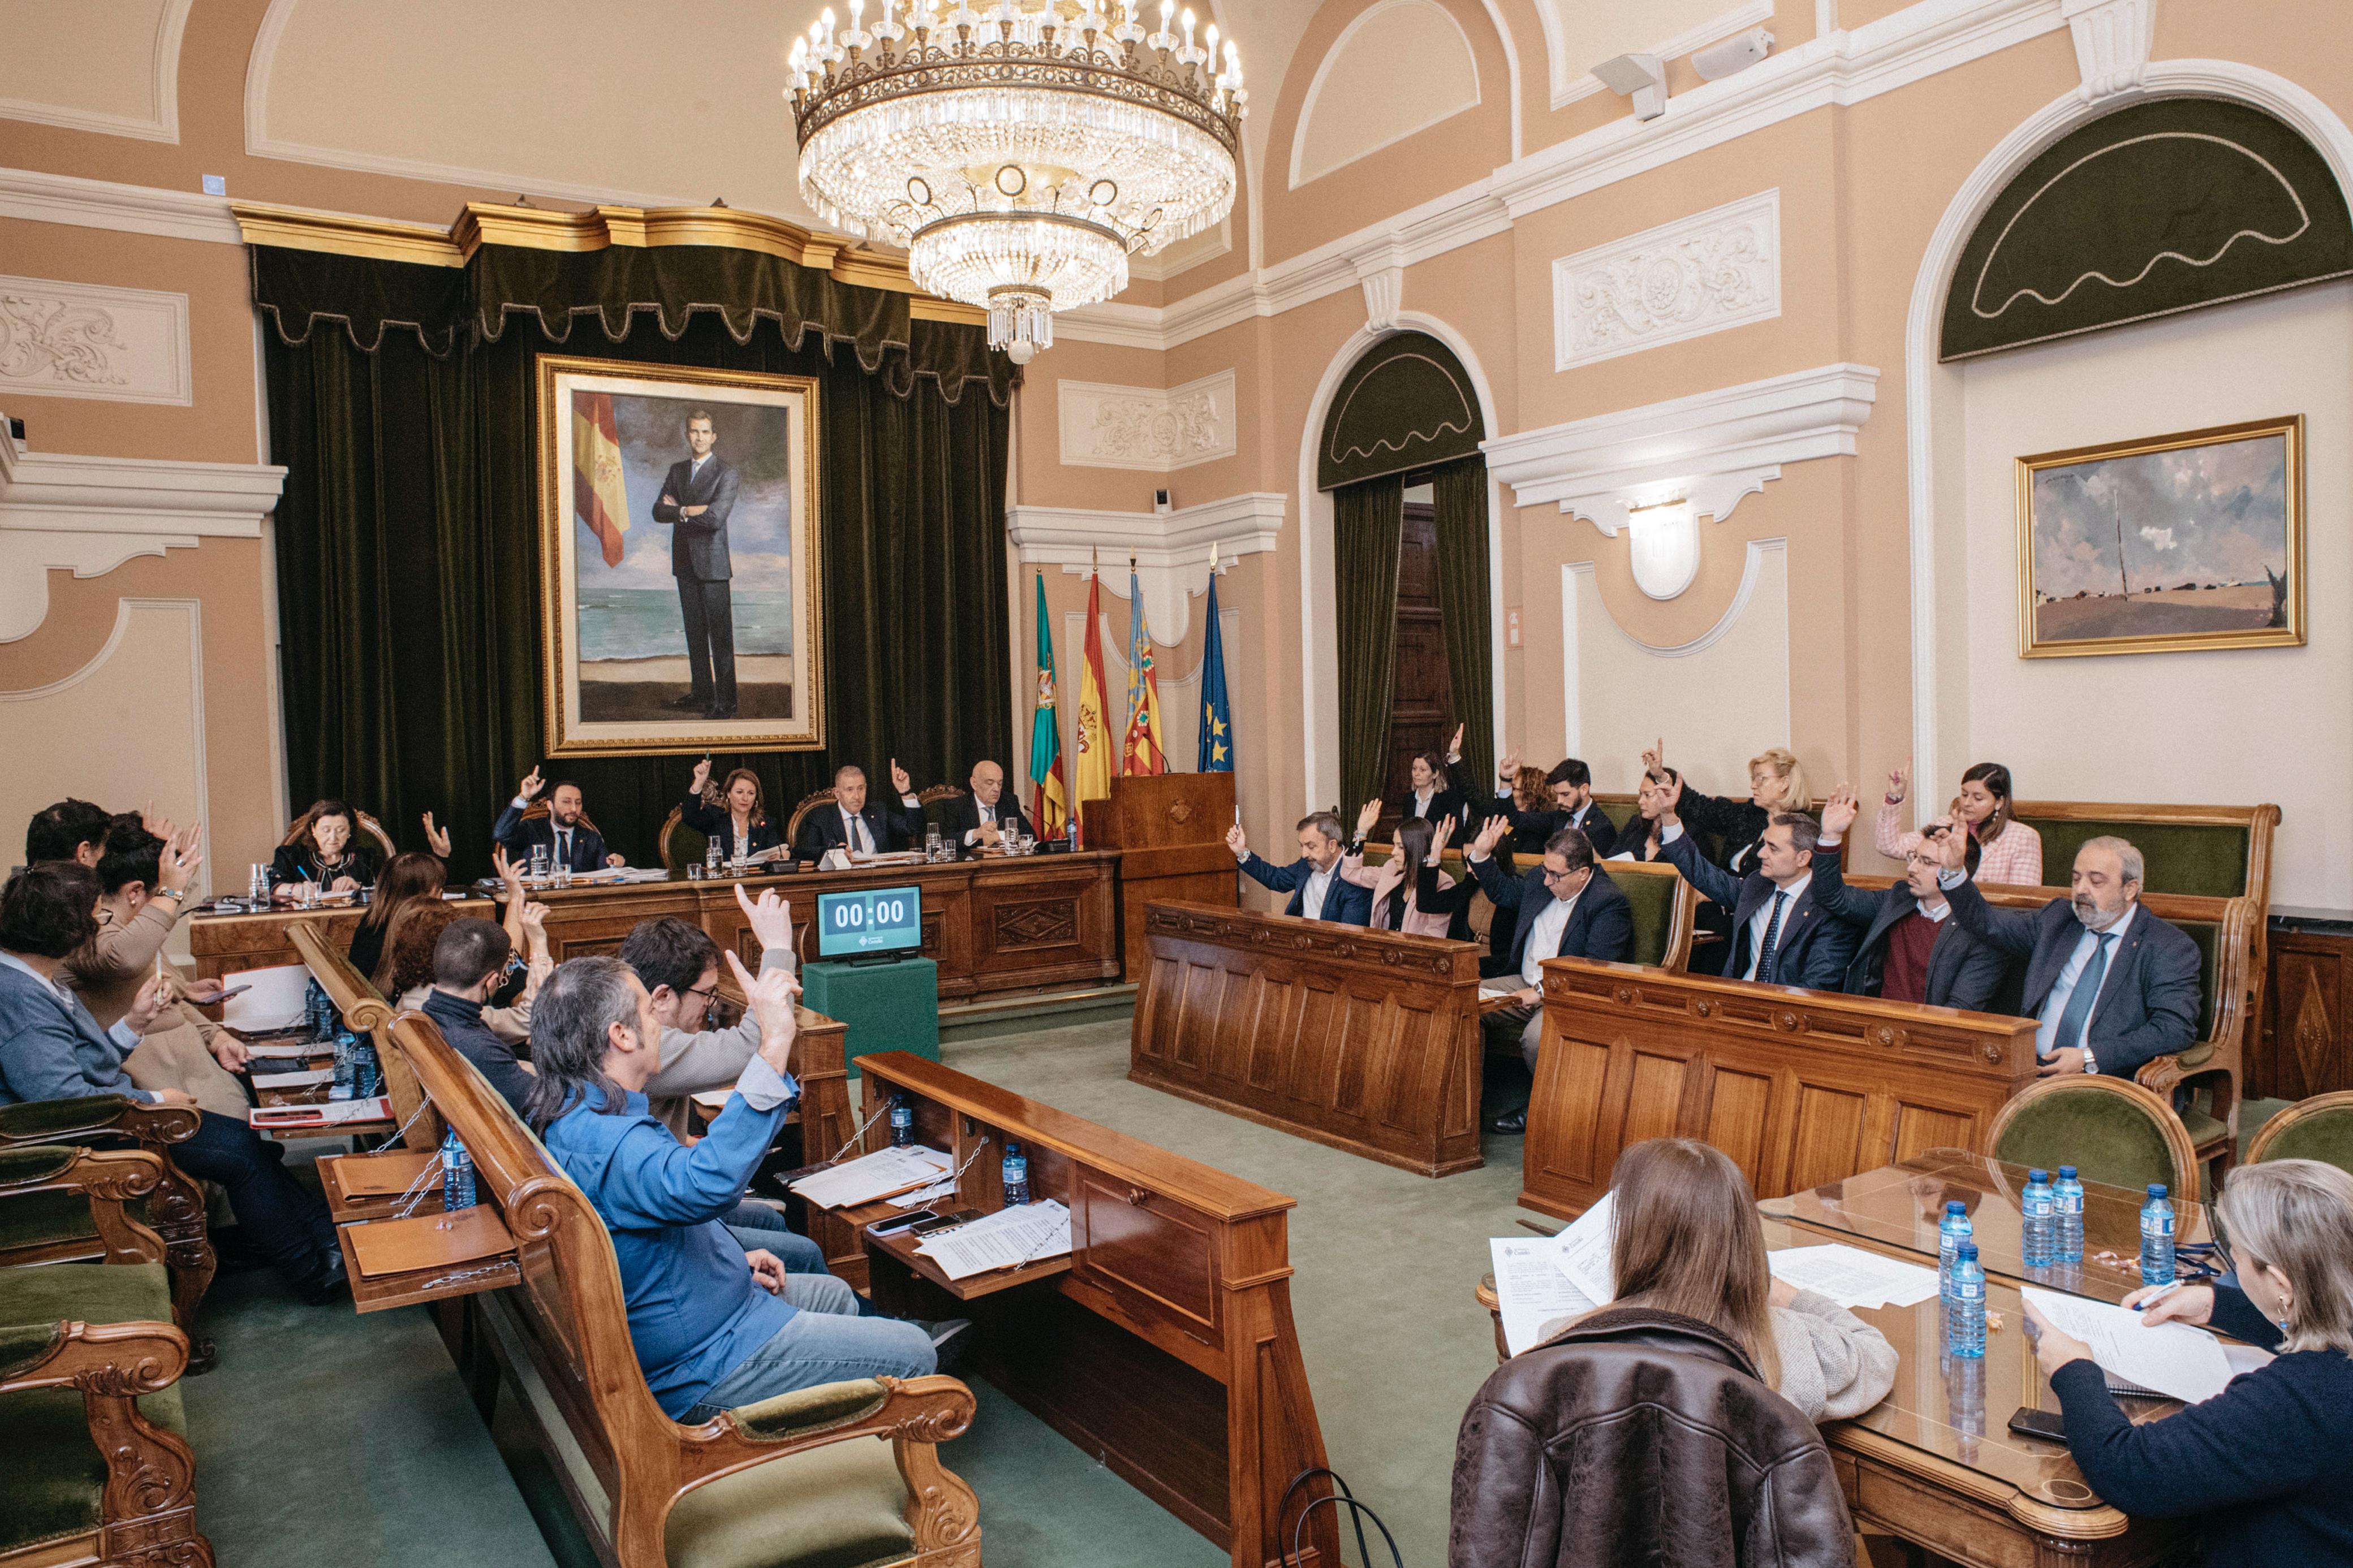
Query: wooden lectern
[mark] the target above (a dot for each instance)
(1170, 832)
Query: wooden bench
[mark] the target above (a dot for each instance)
(845, 1473)
(95, 1467)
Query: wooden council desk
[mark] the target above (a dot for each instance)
(1799, 1087)
(1367, 1040)
(1162, 1341)
(995, 924)
(1935, 1465)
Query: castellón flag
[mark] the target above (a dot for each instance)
(599, 498)
(1045, 735)
(1092, 738)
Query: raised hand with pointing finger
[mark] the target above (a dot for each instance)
(898, 779)
(530, 785)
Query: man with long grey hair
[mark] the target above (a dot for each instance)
(2114, 985)
(716, 1320)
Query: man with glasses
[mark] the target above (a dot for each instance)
(1568, 907)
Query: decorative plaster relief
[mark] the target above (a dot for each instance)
(76, 339)
(1684, 279)
(1171, 553)
(1110, 427)
(2112, 42)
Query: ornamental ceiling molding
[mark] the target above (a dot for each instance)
(1103, 426)
(163, 125)
(1711, 449)
(79, 339)
(1171, 549)
(91, 514)
(1705, 273)
(544, 228)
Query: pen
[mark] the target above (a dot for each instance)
(2160, 1294)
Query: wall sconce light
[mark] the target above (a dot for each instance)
(1663, 546)
(1639, 77)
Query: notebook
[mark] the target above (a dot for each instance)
(429, 1241)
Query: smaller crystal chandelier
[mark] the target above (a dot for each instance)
(1021, 153)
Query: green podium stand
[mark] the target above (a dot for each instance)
(891, 1006)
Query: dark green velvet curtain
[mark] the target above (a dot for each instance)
(1459, 508)
(1368, 529)
(407, 543)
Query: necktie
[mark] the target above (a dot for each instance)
(564, 848)
(1769, 955)
(2078, 1015)
(857, 838)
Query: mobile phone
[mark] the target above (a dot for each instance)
(2048, 1425)
(892, 1225)
(948, 1221)
(232, 991)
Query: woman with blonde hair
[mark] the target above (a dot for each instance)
(1686, 1239)
(2262, 1465)
(1777, 782)
(734, 814)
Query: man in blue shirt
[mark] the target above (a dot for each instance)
(716, 1320)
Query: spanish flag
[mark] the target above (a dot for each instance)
(1093, 739)
(1052, 806)
(600, 498)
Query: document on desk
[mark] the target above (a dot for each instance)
(301, 1080)
(2174, 1359)
(274, 998)
(1001, 1241)
(1536, 1297)
(285, 1050)
(871, 1176)
(922, 1196)
(1499, 985)
(1853, 1278)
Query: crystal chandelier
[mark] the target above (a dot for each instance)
(1021, 153)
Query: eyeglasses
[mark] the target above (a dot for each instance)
(711, 1001)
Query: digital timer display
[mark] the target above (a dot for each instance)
(870, 922)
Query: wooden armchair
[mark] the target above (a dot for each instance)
(362, 825)
(86, 1360)
(842, 1473)
(2110, 1129)
(808, 803)
(43, 1226)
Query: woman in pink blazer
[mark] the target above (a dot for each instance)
(1393, 880)
(2001, 848)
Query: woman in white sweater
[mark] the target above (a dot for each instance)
(1687, 1239)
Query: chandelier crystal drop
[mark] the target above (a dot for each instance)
(1022, 152)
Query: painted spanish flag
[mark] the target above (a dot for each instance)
(600, 497)
(1094, 739)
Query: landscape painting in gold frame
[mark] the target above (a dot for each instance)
(2166, 544)
(679, 608)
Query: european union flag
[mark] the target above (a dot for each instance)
(1217, 716)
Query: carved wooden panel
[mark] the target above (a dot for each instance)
(1367, 1040)
(1045, 923)
(2302, 1048)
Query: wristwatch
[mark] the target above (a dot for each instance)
(2091, 1062)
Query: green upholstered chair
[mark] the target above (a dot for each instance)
(2109, 1129)
(1662, 905)
(680, 846)
(2319, 1129)
(93, 1444)
(44, 1225)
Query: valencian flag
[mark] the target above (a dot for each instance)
(1216, 714)
(599, 498)
(1053, 805)
(1093, 735)
(1144, 752)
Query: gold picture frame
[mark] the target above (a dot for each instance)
(663, 632)
(2182, 525)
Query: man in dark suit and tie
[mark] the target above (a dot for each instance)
(858, 825)
(1780, 933)
(2114, 985)
(1571, 783)
(570, 842)
(1568, 907)
(1912, 950)
(696, 499)
(1318, 892)
(978, 821)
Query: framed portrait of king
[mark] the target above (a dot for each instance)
(679, 559)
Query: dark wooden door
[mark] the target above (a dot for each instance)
(1422, 704)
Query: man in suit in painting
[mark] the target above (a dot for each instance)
(696, 499)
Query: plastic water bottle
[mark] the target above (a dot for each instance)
(367, 1072)
(345, 1051)
(1965, 1310)
(2067, 1201)
(2038, 1222)
(711, 858)
(2157, 1237)
(1070, 834)
(457, 1173)
(319, 1010)
(1951, 1231)
(1016, 1176)
(902, 1122)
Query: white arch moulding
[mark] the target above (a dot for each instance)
(1318, 609)
(1931, 391)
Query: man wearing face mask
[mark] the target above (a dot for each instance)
(679, 964)
(2113, 985)
(469, 964)
(1318, 892)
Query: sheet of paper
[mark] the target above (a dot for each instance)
(871, 1176)
(1536, 1297)
(277, 998)
(1853, 1278)
(293, 1079)
(922, 1196)
(1001, 1241)
(333, 1113)
(1582, 1251)
(713, 1099)
(284, 1050)
(2172, 1358)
